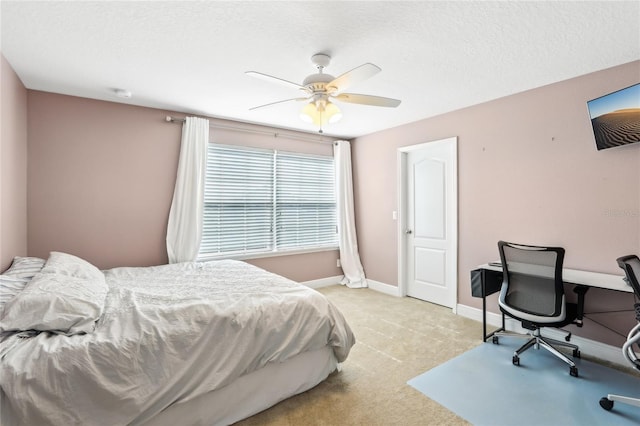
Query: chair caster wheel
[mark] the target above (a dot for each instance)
(606, 404)
(495, 340)
(576, 353)
(573, 371)
(516, 360)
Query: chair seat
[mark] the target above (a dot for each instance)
(570, 317)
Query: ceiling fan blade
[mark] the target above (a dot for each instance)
(352, 77)
(354, 98)
(273, 79)
(278, 102)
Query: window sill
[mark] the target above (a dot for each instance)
(247, 256)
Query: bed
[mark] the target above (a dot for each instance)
(189, 343)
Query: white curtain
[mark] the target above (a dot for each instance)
(349, 257)
(184, 230)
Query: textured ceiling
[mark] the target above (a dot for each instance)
(191, 56)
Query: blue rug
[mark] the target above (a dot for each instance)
(485, 388)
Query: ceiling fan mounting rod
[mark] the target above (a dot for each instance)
(321, 61)
(317, 83)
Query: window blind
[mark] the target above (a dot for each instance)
(238, 201)
(305, 201)
(260, 201)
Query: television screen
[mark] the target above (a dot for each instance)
(615, 117)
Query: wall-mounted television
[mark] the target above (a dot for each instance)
(615, 118)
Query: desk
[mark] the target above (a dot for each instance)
(570, 276)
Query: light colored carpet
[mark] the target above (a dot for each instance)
(397, 339)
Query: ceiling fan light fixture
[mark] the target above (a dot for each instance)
(308, 113)
(320, 113)
(333, 113)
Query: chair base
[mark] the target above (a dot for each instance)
(607, 402)
(537, 341)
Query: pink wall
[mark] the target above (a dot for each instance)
(101, 175)
(13, 173)
(101, 178)
(528, 172)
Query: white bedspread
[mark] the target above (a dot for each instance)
(167, 334)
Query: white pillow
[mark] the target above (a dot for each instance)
(24, 267)
(66, 297)
(9, 287)
(14, 279)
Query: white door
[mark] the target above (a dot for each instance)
(430, 225)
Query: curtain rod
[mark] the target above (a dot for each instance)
(318, 139)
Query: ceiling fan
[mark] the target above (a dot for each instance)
(320, 89)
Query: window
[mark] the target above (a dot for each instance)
(262, 201)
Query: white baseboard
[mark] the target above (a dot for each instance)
(587, 346)
(323, 282)
(389, 289)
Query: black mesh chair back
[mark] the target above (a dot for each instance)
(631, 266)
(533, 280)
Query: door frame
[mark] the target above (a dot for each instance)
(402, 212)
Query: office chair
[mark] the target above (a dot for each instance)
(631, 266)
(533, 293)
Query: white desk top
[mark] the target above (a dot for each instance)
(591, 279)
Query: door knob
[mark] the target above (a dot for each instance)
(408, 231)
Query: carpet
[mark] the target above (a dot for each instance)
(485, 388)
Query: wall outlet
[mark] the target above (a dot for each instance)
(338, 264)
